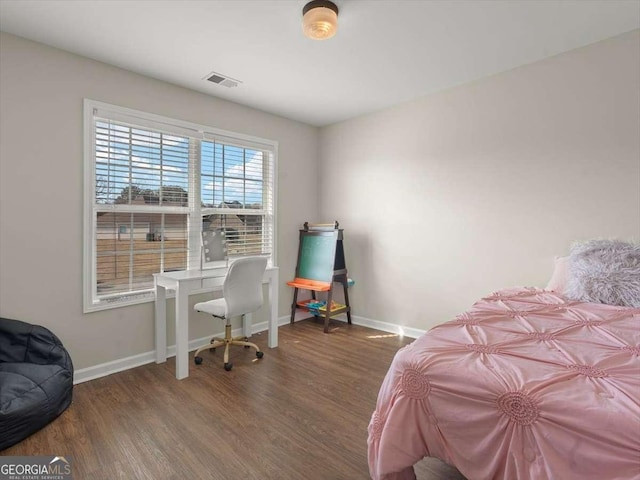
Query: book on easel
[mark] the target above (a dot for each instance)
(321, 263)
(335, 306)
(316, 307)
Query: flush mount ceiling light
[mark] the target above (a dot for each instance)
(320, 19)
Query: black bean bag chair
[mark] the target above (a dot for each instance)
(36, 379)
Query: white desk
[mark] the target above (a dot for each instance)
(188, 282)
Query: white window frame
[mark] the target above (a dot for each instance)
(91, 302)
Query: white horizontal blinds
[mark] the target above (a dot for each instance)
(153, 184)
(131, 247)
(142, 182)
(136, 166)
(236, 189)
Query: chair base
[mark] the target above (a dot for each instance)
(227, 341)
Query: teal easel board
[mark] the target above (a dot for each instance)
(317, 255)
(320, 264)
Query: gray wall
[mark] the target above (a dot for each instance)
(41, 190)
(448, 198)
(443, 199)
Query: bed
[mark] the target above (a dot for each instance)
(529, 383)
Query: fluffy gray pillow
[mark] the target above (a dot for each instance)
(605, 271)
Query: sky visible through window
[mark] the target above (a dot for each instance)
(132, 162)
(230, 174)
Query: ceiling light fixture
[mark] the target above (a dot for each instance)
(320, 19)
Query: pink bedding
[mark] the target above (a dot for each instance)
(525, 385)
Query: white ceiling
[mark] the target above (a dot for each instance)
(385, 52)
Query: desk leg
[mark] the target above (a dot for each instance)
(272, 340)
(247, 322)
(182, 333)
(161, 324)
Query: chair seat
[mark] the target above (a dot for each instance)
(215, 307)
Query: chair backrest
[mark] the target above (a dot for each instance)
(242, 289)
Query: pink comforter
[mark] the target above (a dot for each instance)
(525, 385)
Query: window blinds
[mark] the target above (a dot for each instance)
(237, 196)
(158, 184)
(142, 189)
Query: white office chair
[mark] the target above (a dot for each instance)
(241, 294)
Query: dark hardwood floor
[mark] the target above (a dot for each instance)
(299, 413)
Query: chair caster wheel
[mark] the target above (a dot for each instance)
(228, 366)
(259, 354)
(197, 360)
(247, 346)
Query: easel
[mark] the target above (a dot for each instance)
(320, 264)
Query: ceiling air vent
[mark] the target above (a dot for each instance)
(223, 80)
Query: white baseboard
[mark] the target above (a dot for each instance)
(388, 327)
(104, 369)
(366, 322)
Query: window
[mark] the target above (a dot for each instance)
(236, 195)
(153, 185)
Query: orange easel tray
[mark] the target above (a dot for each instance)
(310, 284)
